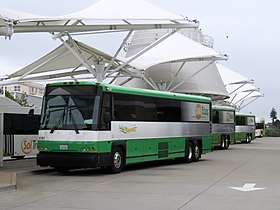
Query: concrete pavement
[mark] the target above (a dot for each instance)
(7, 181)
(210, 184)
(12, 168)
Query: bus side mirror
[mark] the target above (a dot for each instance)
(31, 114)
(107, 117)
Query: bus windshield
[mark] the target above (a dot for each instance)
(259, 125)
(70, 108)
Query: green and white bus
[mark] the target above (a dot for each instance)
(260, 127)
(244, 127)
(87, 124)
(223, 126)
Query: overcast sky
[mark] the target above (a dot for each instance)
(247, 30)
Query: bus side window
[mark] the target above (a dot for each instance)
(106, 107)
(215, 116)
(240, 120)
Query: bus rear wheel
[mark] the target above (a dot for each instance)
(196, 151)
(248, 139)
(117, 161)
(189, 153)
(61, 169)
(226, 144)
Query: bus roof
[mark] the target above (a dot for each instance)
(138, 91)
(226, 108)
(244, 114)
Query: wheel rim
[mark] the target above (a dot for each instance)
(196, 151)
(117, 160)
(223, 143)
(249, 139)
(190, 153)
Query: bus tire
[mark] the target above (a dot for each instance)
(196, 151)
(223, 143)
(226, 142)
(116, 161)
(189, 153)
(248, 138)
(61, 169)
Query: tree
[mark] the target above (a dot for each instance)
(273, 114)
(21, 101)
(277, 124)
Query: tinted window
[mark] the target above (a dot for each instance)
(259, 125)
(72, 90)
(250, 121)
(21, 124)
(141, 108)
(215, 116)
(134, 108)
(240, 120)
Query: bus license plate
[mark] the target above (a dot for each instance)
(63, 147)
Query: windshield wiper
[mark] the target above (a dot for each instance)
(73, 120)
(61, 117)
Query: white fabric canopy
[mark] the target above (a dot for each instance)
(184, 66)
(60, 59)
(105, 15)
(64, 64)
(19, 18)
(206, 82)
(123, 10)
(6, 14)
(240, 88)
(176, 48)
(231, 77)
(102, 10)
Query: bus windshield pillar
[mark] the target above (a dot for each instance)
(1, 140)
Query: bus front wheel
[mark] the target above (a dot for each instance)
(117, 161)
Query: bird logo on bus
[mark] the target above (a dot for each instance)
(125, 130)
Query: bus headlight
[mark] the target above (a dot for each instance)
(88, 149)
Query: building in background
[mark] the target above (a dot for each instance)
(34, 92)
(30, 88)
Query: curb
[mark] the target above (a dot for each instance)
(13, 179)
(12, 185)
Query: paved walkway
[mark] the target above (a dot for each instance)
(12, 168)
(7, 181)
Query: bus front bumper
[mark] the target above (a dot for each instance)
(73, 160)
